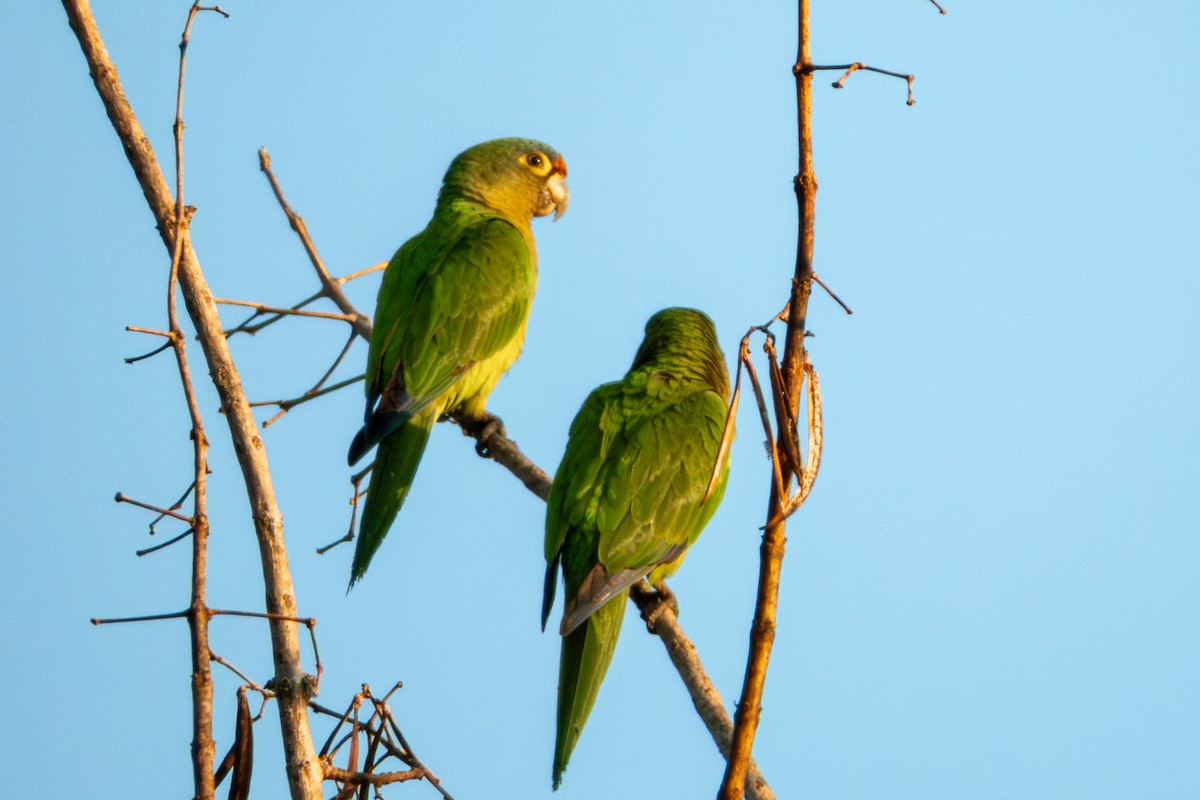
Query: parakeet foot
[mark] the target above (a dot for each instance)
(666, 599)
(482, 429)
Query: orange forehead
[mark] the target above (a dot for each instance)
(560, 166)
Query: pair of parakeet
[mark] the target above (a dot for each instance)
(636, 484)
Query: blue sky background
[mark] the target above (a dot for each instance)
(992, 592)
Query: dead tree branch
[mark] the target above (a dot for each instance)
(787, 381)
(303, 769)
(330, 287)
(705, 697)
(762, 635)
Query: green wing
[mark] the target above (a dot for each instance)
(573, 494)
(626, 502)
(634, 476)
(452, 298)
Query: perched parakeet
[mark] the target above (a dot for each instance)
(632, 493)
(451, 314)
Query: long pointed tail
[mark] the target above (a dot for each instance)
(586, 653)
(396, 463)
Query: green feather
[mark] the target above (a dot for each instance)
(395, 466)
(451, 314)
(628, 498)
(586, 653)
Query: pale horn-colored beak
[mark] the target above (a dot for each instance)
(560, 193)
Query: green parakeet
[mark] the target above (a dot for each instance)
(631, 494)
(451, 314)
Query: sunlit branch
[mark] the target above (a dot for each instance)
(330, 287)
(162, 512)
(263, 308)
(382, 265)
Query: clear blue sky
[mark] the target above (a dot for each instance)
(993, 591)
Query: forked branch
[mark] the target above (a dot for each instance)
(304, 774)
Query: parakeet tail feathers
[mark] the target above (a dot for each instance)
(586, 654)
(395, 465)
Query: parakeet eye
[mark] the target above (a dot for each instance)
(537, 163)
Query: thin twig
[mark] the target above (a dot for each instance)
(855, 67)
(382, 265)
(375, 779)
(245, 678)
(224, 612)
(311, 394)
(151, 354)
(203, 746)
(705, 697)
(263, 308)
(155, 351)
(329, 287)
(356, 484)
(939, 6)
(304, 773)
(145, 618)
(178, 503)
(246, 327)
(162, 512)
(832, 294)
(147, 551)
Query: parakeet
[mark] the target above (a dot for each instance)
(633, 491)
(451, 314)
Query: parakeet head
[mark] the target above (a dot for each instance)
(520, 178)
(683, 341)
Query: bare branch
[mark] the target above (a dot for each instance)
(263, 308)
(245, 678)
(382, 265)
(145, 618)
(382, 733)
(371, 778)
(246, 327)
(304, 774)
(356, 484)
(329, 287)
(832, 294)
(163, 545)
(939, 6)
(312, 394)
(162, 512)
(705, 697)
(855, 67)
(762, 635)
(494, 444)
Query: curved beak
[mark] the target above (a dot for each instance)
(560, 193)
